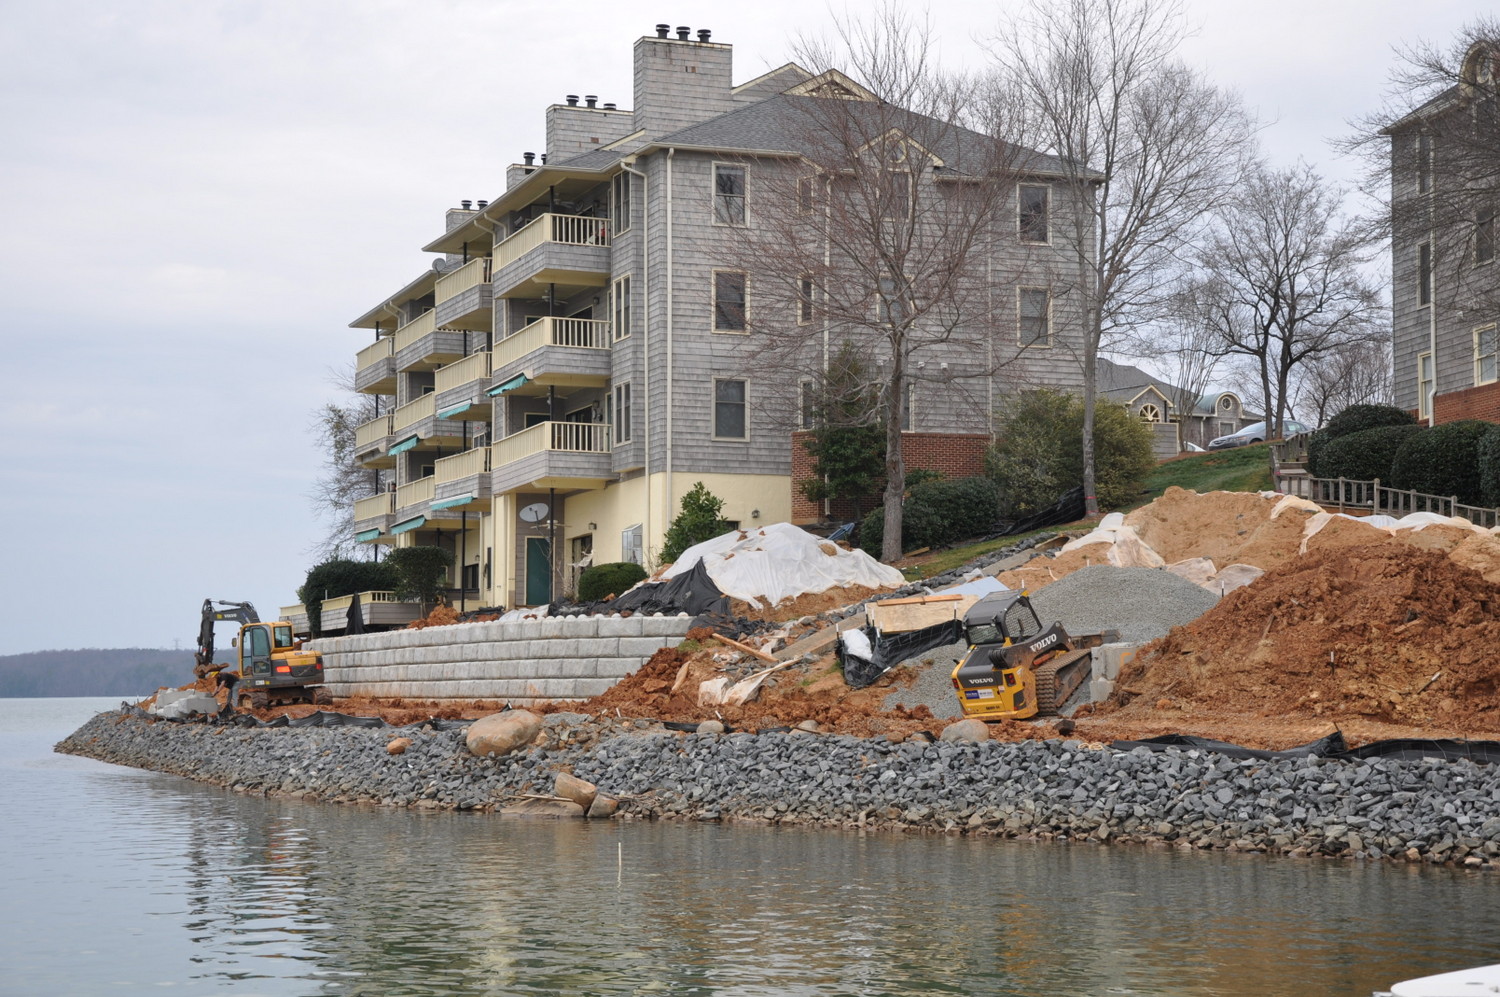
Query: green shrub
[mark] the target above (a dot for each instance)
(1442, 461)
(419, 572)
(596, 582)
(1040, 452)
(871, 535)
(937, 514)
(1354, 419)
(698, 521)
(337, 577)
(1489, 467)
(1365, 455)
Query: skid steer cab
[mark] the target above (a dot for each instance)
(1016, 669)
(273, 670)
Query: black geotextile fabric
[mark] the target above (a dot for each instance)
(1333, 746)
(1068, 509)
(691, 592)
(892, 649)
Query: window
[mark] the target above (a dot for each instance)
(729, 410)
(895, 194)
(1036, 319)
(620, 305)
(908, 393)
(1425, 386)
(470, 577)
(807, 398)
(620, 399)
(891, 304)
(1033, 221)
(1424, 274)
(1150, 413)
(630, 545)
(1424, 163)
(1484, 238)
(729, 195)
(1227, 428)
(804, 300)
(729, 301)
(1484, 354)
(807, 195)
(621, 187)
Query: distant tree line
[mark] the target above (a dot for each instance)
(122, 671)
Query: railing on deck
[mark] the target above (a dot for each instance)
(415, 492)
(572, 230)
(578, 333)
(413, 412)
(471, 274)
(422, 325)
(473, 367)
(573, 437)
(377, 351)
(1372, 496)
(374, 506)
(372, 432)
(464, 465)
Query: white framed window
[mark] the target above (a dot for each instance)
(908, 398)
(1484, 238)
(620, 308)
(1226, 428)
(1033, 213)
(1150, 413)
(1424, 274)
(631, 548)
(729, 194)
(1426, 385)
(895, 194)
(807, 403)
(805, 290)
(620, 412)
(729, 300)
(1034, 317)
(1485, 343)
(807, 194)
(620, 191)
(731, 412)
(1424, 163)
(891, 305)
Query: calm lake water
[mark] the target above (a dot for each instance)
(118, 881)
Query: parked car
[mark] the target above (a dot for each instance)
(1253, 433)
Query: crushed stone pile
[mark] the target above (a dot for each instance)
(1141, 603)
(1388, 631)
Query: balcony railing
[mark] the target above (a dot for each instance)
(423, 325)
(375, 506)
(377, 351)
(471, 274)
(372, 432)
(575, 437)
(413, 412)
(464, 465)
(572, 230)
(582, 333)
(415, 492)
(341, 603)
(473, 367)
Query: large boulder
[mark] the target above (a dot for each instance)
(971, 731)
(179, 704)
(571, 787)
(502, 733)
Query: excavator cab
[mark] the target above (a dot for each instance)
(272, 669)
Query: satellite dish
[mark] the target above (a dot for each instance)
(534, 513)
(438, 265)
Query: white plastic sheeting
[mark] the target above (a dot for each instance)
(1126, 548)
(773, 563)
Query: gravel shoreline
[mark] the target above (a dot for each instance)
(1428, 810)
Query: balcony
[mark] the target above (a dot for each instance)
(554, 352)
(464, 298)
(463, 482)
(373, 516)
(375, 368)
(563, 455)
(378, 610)
(372, 443)
(460, 389)
(568, 252)
(421, 345)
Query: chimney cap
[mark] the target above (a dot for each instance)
(683, 31)
(572, 99)
(528, 157)
(591, 99)
(481, 205)
(609, 107)
(704, 34)
(662, 29)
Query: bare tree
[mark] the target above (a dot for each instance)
(1352, 374)
(1287, 284)
(1140, 137)
(881, 231)
(1183, 342)
(343, 480)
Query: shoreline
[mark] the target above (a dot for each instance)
(1411, 811)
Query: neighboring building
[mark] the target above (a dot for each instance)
(1177, 416)
(577, 356)
(1445, 283)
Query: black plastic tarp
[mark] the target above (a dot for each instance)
(1325, 746)
(691, 592)
(892, 649)
(1068, 509)
(1333, 746)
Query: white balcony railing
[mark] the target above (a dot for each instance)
(471, 274)
(374, 353)
(341, 603)
(423, 325)
(580, 333)
(375, 506)
(413, 412)
(572, 230)
(372, 432)
(474, 367)
(573, 437)
(415, 492)
(464, 465)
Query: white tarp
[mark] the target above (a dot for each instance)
(770, 564)
(1126, 548)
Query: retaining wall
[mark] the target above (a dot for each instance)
(521, 663)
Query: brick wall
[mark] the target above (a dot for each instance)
(956, 455)
(1482, 402)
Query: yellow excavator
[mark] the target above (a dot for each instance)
(273, 669)
(1015, 669)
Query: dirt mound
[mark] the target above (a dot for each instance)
(441, 616)
(1226, 527)
(1384, 631)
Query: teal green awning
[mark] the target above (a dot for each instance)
(364, 536)
(410, 524)
(449, 413)
(510, 385)
(451, 502)
(402, 447)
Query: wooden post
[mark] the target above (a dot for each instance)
(1341, 493)
(1375, 506)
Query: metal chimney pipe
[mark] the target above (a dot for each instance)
(683, 32)
(591, 99)
(703, 34)
(609, 107)
(467, 204)
(572, 100)
(528, 158)
(662, 29)
(481, 205)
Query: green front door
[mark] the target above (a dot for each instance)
(538, 571)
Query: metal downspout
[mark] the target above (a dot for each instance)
(645, 331)
(667, 504)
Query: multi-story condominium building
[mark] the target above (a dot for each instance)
(1445, 293)
(591, 342)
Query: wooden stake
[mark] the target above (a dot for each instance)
(747, 649)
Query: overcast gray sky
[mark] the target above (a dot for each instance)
(199, 195)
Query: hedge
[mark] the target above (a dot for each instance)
(1365, 455)
(1489, 467)
(937, 514)
(1443, 461)
(1354, 419)
(611, 578)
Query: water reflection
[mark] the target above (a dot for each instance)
(135, 881)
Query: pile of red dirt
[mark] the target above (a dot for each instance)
(441, 616)
(1387, 631)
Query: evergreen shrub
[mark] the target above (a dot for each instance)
(1443, 461)
(937, 514)
(613, 578)
(1489, 467)
(341, 576)
(1365, 455)
(1354, 419)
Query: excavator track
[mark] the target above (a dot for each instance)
(1059, 677)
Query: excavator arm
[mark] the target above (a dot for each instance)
(238, 612)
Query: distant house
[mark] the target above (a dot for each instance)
(1177, 416)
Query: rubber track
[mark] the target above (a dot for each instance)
(1059, 671)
